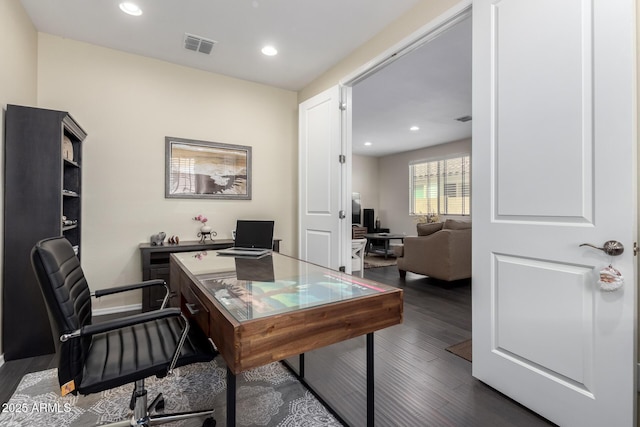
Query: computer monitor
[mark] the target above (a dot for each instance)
(254, 234)
(356, 209)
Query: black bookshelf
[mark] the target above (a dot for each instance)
(42, 183)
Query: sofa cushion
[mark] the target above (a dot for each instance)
(427, 229)
(455, 224)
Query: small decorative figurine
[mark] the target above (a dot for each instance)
(158, 239)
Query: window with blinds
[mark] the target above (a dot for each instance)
(441, 186)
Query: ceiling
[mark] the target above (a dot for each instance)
(429, 88)
(310, 35)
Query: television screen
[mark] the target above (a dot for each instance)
(356, 209)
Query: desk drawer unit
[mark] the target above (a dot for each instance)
(155, 265)
(193, 307)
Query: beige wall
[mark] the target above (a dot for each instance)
(394, 183)
(19, 52)
(416, 18)
(128, 104)
(364, 180)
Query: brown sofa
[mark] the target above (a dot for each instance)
(441, 250)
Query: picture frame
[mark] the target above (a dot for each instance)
(206, 170)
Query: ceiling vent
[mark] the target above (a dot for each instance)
(464, 119)
(198, 44)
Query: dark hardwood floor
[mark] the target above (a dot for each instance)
(418, 383)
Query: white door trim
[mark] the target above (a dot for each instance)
(346, 186)
(408, 44)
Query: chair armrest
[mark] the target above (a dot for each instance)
(146, 284)
(123, 322)
(125, 288)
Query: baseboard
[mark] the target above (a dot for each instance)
(114, 310)
(1, 359)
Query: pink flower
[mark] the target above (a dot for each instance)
(199, 255)
(203, 219)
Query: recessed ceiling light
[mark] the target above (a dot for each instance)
(130, 8)
(269, 50)
(368, 143)
(414, 128)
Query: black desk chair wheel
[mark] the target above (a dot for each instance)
(98, 357)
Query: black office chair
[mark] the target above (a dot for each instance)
(97, 357)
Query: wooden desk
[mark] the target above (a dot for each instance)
(259, 311)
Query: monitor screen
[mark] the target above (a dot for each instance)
(254, 234)
(356, 209)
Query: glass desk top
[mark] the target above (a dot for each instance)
(251, 288)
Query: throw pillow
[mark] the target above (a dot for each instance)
(426, 229)
(455, 224)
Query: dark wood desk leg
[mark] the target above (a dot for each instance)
(370, 382)
(386, 248)
(231, 398)
(301, 367)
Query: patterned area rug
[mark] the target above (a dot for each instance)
(374, 261)
(266, 396)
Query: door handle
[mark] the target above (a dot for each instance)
(192, 309)
(610, 247)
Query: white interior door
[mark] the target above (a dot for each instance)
(554, 167)
(321, 180)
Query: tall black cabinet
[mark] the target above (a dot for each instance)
(42, 187)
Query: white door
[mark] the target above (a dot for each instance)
(321, 180)
(554, 167)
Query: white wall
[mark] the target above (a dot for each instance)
(364, 180)
(394, 184)
(19, 50)
(128, 104)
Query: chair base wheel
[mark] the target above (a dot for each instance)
(209, 422)
(157, 404)
(160, 405)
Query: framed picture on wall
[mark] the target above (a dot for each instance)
(206, 170)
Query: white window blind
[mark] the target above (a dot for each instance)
(441, 186)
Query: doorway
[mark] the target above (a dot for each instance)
(413, 109)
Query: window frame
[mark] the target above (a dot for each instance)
(440, 210)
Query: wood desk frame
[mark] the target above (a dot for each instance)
(249, 344)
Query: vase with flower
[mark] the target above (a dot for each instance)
(205, 230)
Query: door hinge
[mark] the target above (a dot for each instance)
(342, 105)
(342, 268)
(342, 158)
(635, 248)
(342, 215)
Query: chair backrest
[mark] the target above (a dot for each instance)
(68, 301)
